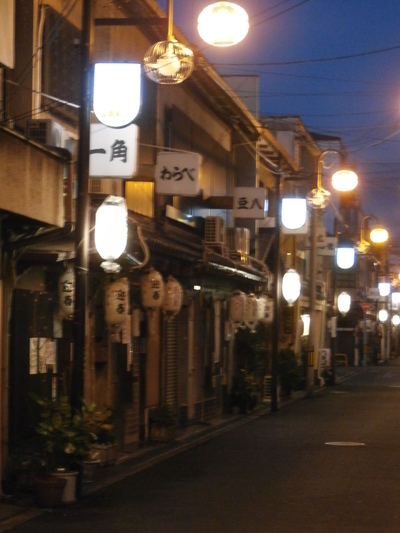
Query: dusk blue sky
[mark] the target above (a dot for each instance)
(334, 63)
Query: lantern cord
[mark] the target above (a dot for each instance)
(145, 249)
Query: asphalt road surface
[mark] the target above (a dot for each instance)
(325, 464)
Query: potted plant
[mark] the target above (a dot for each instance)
(64, 441)
(163, 422)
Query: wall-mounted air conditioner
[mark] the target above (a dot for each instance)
(214, 232)
(45, 131)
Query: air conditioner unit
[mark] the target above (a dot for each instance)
(106, 186)
(45, 131)
(214, 232)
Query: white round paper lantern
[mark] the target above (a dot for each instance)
(237, 304)
(111, 231)
(383, 315)
(116, 302)
(251, 312)
(173, 296)
(344, 302)
(291, 286)
(152, 290)
(66, 293)
(396, 320)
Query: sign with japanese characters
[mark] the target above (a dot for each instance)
(249, 202)
(326, 245)
(113, 152)
(178, 173)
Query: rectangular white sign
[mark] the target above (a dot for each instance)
(178, 173)
(249, 202)
(113, 151)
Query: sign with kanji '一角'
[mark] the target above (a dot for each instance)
(113, 152)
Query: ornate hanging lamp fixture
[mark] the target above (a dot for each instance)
(168, 62)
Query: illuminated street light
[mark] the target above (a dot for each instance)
(291, 286)
(379, 235)
(111, 231)
(223, 24)
(383, 315)
(344, 303)
(294, 212)
(317, 200)
(345, 254)
(384, 288)
(396, 320)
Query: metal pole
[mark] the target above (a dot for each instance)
(82, 208)
(277, 300)
(365, 335)
(313, 296)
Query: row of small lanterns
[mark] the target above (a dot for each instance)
(246, 310)
(155, 294)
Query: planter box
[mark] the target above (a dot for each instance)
(106, 454)
(160, 433)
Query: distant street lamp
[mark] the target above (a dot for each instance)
(379, 236)
(343, 180)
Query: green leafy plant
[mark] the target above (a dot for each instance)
(64, 436)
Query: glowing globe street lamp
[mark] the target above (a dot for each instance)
(343, 180)
(223, 24)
